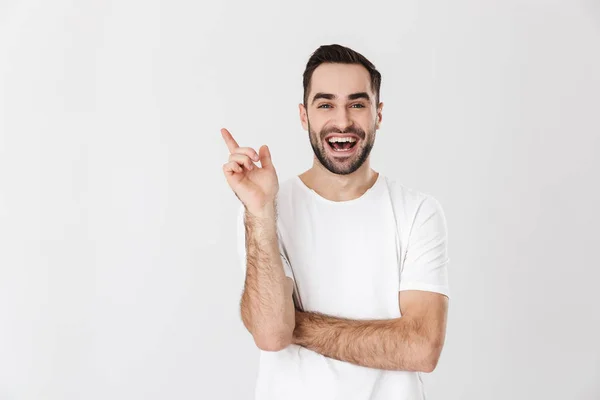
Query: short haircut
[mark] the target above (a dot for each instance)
(335, 53)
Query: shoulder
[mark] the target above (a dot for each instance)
(286, 185)
(409, 198)
(288, 190)
(416, 208)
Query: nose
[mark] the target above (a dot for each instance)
(342, 119)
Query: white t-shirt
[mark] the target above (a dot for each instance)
(349, 259)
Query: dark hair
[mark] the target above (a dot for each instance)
(335, 53)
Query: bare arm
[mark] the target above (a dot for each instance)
(267, 308)
(412, 342)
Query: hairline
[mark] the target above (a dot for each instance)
(310, 79)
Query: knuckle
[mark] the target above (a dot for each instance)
(248, 151)
(237, 157)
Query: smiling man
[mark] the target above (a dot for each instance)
(346, 287)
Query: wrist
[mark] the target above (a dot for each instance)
(298, 332)
(267, 211)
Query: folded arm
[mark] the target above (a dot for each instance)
(412, 342)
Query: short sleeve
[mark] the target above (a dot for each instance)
(241, 246)
(425, 265)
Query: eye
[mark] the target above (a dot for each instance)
(324, 105)
(359, 105)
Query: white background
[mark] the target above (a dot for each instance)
(118, 272)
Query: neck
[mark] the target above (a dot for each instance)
(336, 187)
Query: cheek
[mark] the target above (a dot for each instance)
(316, 126)
(367, 119)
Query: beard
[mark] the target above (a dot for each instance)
(349, 164)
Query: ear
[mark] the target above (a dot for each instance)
(379, 115)
(303, 116)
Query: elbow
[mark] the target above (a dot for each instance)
(274, 341)
(431, 357)
(429, 365)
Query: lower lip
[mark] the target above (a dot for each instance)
(341, 153)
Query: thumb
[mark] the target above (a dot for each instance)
(265, 157)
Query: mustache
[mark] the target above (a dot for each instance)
(351, 129)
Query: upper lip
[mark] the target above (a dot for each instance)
(342, 135)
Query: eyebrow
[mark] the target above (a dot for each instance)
(330, 96)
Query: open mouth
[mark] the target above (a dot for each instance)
(342, 144)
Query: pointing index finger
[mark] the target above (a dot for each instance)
(229, 140)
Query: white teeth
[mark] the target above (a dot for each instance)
(342, 139)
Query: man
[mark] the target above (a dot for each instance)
(346, 280)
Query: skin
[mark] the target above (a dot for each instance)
(340, 179)
(340, 100)
(266, 306)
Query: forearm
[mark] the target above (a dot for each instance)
(266, 306)
(392, 344)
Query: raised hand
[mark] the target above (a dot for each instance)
(255, 187)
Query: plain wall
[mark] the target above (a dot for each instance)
(118, 272)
